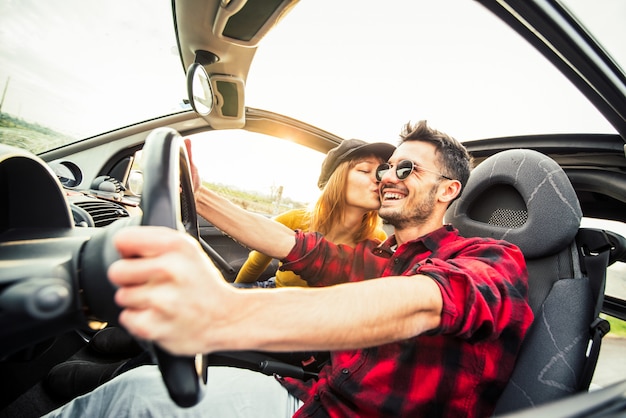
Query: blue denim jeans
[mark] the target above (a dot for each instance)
(230, 392)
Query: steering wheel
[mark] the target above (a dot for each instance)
(167, 200)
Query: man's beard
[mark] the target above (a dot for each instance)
(410, 213)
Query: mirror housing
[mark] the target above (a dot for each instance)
(219, 98)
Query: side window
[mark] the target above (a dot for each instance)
(260, 173)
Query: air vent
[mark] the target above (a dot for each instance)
(103, 213)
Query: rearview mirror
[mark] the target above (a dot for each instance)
(199, 89)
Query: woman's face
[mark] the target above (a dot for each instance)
(362, 187)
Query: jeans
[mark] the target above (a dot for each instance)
(230, 392)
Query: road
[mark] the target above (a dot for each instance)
(612, 362)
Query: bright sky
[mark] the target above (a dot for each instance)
(448, 61)
(451, 62)
(259, 167)
(69, 72)
(435, 61)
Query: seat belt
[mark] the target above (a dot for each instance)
(595, 248)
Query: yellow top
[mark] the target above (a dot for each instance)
(258, 262)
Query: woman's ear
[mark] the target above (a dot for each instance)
(449, 190)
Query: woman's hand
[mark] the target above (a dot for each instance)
(196, 181)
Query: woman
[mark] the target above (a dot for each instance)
(345, 213)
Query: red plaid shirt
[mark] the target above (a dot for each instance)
(457, 370)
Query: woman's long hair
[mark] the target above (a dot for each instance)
(330, 207)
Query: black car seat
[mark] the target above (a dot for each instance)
(525, 197)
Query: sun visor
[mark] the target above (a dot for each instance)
(229, 107)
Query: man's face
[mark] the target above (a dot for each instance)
(410, 202)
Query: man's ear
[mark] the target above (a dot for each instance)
(449, 190)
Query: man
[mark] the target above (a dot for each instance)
(436, 334)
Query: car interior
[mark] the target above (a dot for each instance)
(536, 191)
(524, 197)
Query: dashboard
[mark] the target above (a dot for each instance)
(36, 194)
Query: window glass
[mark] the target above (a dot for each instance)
(261, 173)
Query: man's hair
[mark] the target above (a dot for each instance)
(330, 207)
(455, 162)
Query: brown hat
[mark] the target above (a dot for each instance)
(349, 149)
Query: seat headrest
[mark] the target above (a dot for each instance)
(521, 196)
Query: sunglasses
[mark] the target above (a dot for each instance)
(403, 170)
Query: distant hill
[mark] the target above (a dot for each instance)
(32, 137)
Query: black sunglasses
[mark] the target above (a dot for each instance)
(403, 169)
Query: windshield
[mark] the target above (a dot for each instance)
(72, 69)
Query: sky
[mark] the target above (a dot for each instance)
(451, 71)
(435, 62)
(72, 73)
(450, 62)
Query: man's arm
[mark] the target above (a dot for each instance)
(342, 317)
(257, 262)
(173, 295)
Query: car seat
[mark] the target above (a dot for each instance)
(525, 197)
